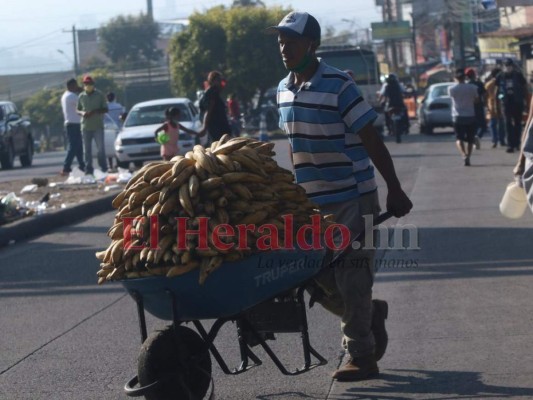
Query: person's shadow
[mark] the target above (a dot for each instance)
(408, 384)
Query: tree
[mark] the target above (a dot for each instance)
(232, 41)
(130, 39)
(247, 3)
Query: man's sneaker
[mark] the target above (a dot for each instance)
(467, 161)
(380, 311)
(357, 369)
(477, 143)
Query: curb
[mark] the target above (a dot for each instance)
(32, 227)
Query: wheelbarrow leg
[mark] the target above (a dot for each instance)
(246, 352)
(140, 311)
(306, 343)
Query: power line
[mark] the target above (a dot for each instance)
(29, 41)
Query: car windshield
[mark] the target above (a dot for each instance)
(440, 91)
(151, 115)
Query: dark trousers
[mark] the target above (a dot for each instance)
(74, 147)
(513, 124)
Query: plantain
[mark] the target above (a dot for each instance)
(239, 177)
(182, 269)
(185, 200)
(230, 146)
(180, 165)
(194, 185)
(241, 191)
(170, 204)
(226, 162)
(118, 251)
(211, 184)
(162, 180)
(182, 177)
(117, 201)
(254, 218)
(207, 266)
(156, 171)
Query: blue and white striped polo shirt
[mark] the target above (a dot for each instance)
(322, 119)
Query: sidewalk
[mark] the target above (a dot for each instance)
(460, 311)
(31, 227)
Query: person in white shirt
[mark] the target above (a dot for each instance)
(115, 109)
(69, 102)
(464, 97)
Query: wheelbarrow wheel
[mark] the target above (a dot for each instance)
(179, 360)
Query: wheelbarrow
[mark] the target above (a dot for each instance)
(262, 294)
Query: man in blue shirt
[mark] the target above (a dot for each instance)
(329, 126)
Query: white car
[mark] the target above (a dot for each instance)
(111, 130)
(135, 142)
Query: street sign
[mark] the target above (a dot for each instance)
(391, 30)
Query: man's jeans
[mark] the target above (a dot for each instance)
(497, 126)
(98, 137)
(348, 286)
(74, 147)
(513, 121)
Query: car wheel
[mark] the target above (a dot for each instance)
(138, 164)
(7, 158)
(26, 159)
(428, 130)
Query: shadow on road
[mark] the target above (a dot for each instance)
(445, 384)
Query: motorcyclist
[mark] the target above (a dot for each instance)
(391, 98)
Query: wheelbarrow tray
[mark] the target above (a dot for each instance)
(229, 290)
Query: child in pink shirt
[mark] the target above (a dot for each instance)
(168, 134)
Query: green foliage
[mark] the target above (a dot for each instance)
(104, 81)
(44, 108)
(130, 39)
(232, 41)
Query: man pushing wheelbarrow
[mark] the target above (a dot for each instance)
(334, 147)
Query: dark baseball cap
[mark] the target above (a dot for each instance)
(298, 24)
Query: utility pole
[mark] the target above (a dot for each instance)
(415, 58)
(392, 42)
(75, 48)
(75, 42)
(150, 9)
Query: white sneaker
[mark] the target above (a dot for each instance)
(477, 143)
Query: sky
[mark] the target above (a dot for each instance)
(36, 35)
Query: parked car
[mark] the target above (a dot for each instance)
(135, 142)
(435, 108)
(15, 137)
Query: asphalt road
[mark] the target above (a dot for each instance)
(44, 165)
(460, 318)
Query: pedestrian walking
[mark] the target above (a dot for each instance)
(329, 127)
(479, 107)
(92, 106)
(464, 97)
(514, 94)
(69, 102)
(213, 108)
(235, 115)
(494, 107)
